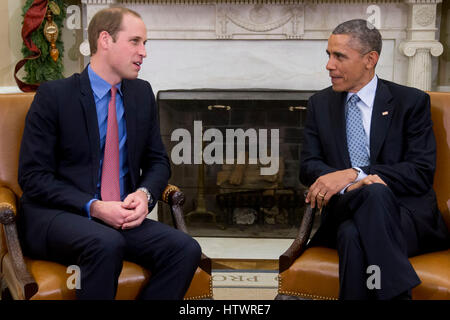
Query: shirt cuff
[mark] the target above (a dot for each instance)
(361, 175)
(87, 208)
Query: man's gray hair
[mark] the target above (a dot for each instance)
(367, 36)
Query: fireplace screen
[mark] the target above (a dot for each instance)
(235, 155)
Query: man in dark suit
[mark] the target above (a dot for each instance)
(92, 165)
(369, 159)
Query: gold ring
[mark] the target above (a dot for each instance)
(321, 195)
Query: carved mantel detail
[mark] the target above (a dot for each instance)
(259, 19)
(425, 16)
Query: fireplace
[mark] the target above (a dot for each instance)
(235, 154)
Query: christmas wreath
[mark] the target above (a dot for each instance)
(42, 46)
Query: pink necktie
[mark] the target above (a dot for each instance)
(110, 187)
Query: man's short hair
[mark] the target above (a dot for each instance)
(109, 20)
(368, 37)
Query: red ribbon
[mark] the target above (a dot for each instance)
(31, 22)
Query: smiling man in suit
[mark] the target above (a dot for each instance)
(92, 165)
(369, 159)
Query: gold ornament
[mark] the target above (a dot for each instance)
(51, 34)
(53, 6)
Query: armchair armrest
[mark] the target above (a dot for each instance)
(20, 282)
(175, 198)
(299, 244)
(7, 201)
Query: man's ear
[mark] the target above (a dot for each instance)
(103, 40)
(372, 59)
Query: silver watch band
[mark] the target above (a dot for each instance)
(147, 193)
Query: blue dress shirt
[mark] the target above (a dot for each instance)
(102, 95)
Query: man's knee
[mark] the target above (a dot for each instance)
(347, 233)
(187, 249)
(190, 246)
(194, 248)
(380, 200)
(109, 244)
(377, 191)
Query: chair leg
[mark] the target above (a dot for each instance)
(5, 294)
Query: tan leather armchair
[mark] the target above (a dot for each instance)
(24, 278)
(313, 273)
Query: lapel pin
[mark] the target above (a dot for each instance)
(385, 113)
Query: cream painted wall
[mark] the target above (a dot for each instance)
(10, 27)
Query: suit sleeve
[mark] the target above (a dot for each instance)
(38, 176)
(414, 174)
(313, 163)
(155, 164)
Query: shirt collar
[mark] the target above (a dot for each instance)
(100, 86)
(367, 93)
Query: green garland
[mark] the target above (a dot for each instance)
(44, 68)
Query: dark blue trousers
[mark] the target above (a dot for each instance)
(368, 228)
(99, 250)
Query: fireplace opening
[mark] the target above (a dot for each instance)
(235, 154)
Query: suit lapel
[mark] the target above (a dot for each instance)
(130, 114)
(90, 116)
(381, 118)
(339, 126)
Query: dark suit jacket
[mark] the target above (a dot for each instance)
(60, 152)
(402, 149)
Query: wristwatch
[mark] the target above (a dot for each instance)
(148, 194)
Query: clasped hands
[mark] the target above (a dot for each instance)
(126, 214)
(329, 184)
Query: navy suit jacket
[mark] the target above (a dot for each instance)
(60, 152)
(402, 149)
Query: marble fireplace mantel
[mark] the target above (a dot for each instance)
(275, 43)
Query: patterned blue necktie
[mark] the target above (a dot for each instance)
(356, 137)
